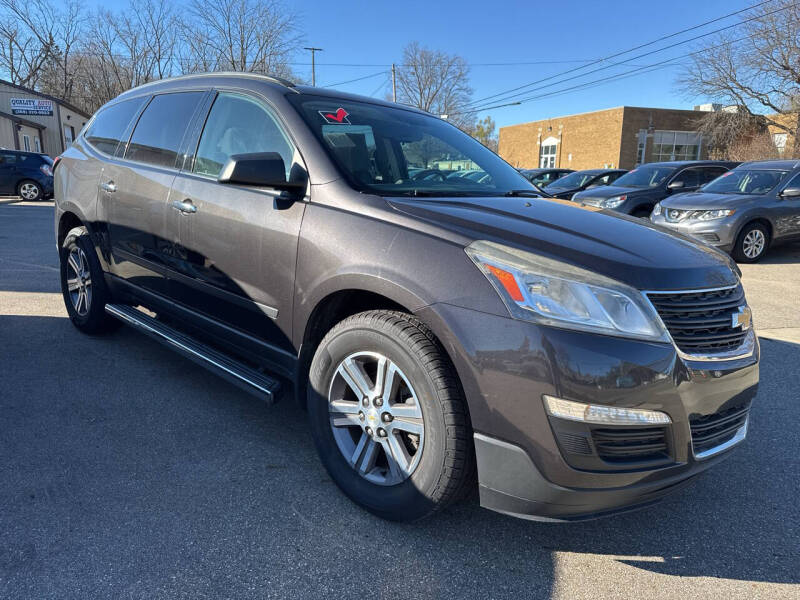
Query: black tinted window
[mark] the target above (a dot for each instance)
(710, 174)
(689, 177)
(8, 159)
(159, 132)
(109, 125)
(239, 125)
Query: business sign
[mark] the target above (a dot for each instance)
(32, 106)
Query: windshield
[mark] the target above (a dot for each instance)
(745, 181)
(644, 177)
(576, 179)
(396, 152)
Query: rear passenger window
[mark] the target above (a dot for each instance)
(239, 125)
(108, 127)
(160, 130)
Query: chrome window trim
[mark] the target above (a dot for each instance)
(745, 350)
(738, 437)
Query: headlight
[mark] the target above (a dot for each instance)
(710, 215)
(657, 209)
(547, 291)
(614, 201)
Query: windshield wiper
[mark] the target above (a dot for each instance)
(524, 193)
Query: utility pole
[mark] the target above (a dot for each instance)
(394, 84)
(313, 68)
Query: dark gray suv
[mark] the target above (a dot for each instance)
(441, 332)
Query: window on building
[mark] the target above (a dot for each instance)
(26, 143)
(69, 134)
(239, 125)
(158, 135)
(547, 153)
(676, 145)
(780, 142)
(106, 130)
(37, 144)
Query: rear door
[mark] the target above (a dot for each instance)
(135, 188)
(8, 169)
(786, 212)
(238, 245)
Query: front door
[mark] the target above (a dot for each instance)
(135, 188)
(238, 244)
(8, 169)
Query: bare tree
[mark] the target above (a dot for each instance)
(436, 82)
(758, 73)
(240, 35)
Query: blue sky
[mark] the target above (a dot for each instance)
(374, 33)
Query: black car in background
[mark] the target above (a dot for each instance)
(26, 174)
(544, 177)
(571, 184)
(638, 191)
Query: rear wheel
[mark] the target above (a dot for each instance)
(388, 416)
(82, 284)
(29, 190)
(752, 243)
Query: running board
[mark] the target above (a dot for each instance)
(245, 377)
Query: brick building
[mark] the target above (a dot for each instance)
(617, 137)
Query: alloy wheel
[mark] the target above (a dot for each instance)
(29, 191)
(376, 418)
(754, 243)
(79, 281)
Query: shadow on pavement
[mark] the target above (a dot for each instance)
(127, 470)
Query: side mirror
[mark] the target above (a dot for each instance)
(675, 185)
(790, 192)
(262, 169)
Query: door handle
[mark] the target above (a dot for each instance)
(109, 187)
(184, 206)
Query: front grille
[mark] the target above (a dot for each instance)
(702, 322)
(710, 431)
(631, 445)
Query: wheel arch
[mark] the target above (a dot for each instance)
(756, 219)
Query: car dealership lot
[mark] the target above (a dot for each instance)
(127, 471)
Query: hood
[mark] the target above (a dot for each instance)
(555, 189)
(607, 191)
(702, 200)
(618, 246)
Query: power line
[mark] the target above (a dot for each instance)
(628, 51)
(356, 79)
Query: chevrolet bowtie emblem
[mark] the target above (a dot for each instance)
(743, 317)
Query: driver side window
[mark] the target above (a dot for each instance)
(239, 124)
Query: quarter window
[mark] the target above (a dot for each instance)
(109, 125)
(239, 125)
(160, 130)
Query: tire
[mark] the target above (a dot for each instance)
(29, 190)
(86, 302)
(751, 244)
(436, 471)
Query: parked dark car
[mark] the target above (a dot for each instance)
(571, 184)
(26, 174)
(437, 332)
(638, 191)
(743, 212)
(544, 177)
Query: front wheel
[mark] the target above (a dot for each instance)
(752, 243)
(388, 416)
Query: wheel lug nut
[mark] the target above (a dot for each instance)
(381, 432)
(369, 430)
(378, 401)
(365, 401)
(386, 417)
(361, 415)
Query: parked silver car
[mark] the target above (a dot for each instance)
(742, 212)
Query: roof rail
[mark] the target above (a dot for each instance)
(272, 78)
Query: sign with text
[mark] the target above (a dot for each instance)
(32, 106)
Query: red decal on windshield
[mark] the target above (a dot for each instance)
(340, 116)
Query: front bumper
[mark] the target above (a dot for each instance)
(506, 366)
(720, 233)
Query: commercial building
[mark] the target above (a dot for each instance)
(36, 122)
(621, 137)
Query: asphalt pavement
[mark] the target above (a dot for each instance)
(128, 472)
